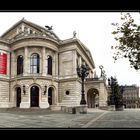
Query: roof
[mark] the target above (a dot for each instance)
(39, 28)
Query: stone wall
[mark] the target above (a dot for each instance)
(4, 93)
(74, 96)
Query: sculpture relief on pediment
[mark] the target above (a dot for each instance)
(23, 31)
(28, 29)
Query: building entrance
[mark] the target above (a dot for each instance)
(93, 98)
(34, 96)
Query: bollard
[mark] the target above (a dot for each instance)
(73, 110)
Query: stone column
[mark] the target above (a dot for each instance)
(13, 64)
(91, 74)
(44, 99)
(56, 64)
(26, 66)
(8, 64)
(43, 62)
(25, 102)
(79, 61)
(53, 65)
(74, 63)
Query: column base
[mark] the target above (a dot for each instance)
(55, 107)
(44, 105)
(6, 105)
(83, 109)
(24, 105)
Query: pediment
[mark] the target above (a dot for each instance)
(24, 28)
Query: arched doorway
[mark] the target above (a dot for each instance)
(34, 96)
(18, 96)
(50, 96)
(93, 98)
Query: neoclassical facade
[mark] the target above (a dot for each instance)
(37, 69)
(131, 96)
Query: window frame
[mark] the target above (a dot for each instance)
(35, 63)
(20, 65)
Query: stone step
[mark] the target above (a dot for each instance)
(73, 99)
(32, 109)
(68, 105)
(69, 101)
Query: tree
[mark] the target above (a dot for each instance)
(127, 36)
(116, 95)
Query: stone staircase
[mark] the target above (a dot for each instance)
(32, 109)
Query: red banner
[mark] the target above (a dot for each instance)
(3, 63)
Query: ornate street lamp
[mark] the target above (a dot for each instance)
(111, 83)
(83, 72)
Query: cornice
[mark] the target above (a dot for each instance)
(32, 78)
(4, 41)
(33, 37)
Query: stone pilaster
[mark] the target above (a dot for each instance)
(56, 63)
(26, 64)
(53, 65)
(74, 63)
(44, 71)
(25, 98)
(8, 64)
(44, 100)
(13, 64)
(79, 61)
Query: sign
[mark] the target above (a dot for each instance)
(3, 63)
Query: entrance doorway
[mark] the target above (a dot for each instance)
(50, 90)
(93, 98)
(34, 96)
(18, 96)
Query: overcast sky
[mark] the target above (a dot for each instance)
(92, 28)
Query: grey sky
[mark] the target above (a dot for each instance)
(93, 29)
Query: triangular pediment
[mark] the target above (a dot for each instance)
(25, 28)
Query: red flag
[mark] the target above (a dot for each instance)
(3, 63)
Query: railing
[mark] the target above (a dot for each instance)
(34, 74)
(28, 74)
(92, 79)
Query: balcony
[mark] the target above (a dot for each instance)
(92, 79)
(34, 74)
(27, 75)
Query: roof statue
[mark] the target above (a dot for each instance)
(49, 27)
(74, 34)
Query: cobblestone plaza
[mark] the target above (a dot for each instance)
(129, 118)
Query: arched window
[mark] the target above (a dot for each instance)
(19, 64)
(49, 65)
(35, 60)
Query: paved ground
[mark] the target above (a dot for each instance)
(129, 118)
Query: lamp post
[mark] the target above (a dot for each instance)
(83, 72)
(111, 83)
